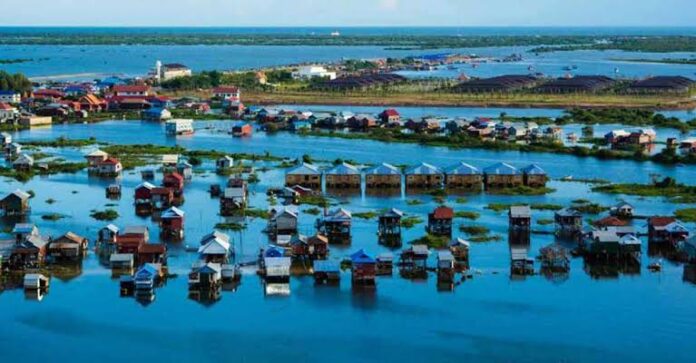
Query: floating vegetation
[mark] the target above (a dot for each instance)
(312, 211)
(686, 214)
(316, 200)
(485, 238)
(50, 201)
(414, 202)
(467, 215)
(500, 207)
(474, 230)
(523, 190)
(366, 215)
(667, 188)
(52, 217)
(105, 215)
(590, 208)
(545, 222)
(432, 241)
(410, 221)
(231, 226)
(460, 200)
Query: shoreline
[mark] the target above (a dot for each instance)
(449, 100)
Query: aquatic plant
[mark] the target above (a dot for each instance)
(105, 215)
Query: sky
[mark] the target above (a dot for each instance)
(349, 13)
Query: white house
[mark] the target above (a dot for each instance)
(7, 111)
(10, 97)
(227, 93)
(179, 127)
(165, 72)
(308, 72)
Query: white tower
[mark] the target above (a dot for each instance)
(158, 71)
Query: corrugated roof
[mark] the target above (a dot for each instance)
(423, 169)
(533, 169)
(383, 169)
(462, 168)
(343, 169)
(501, 169)
(520, 211)
(303, 169)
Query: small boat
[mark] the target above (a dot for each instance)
(655, 267)
(567, 178)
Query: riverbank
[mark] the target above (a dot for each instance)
(442, 99)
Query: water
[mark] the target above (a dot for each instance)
(85, 62)
(642, 316)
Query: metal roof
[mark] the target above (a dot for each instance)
(520, 211)
(423, 169)
(501, 169)
(462, 168)
(533, 169)
(303, 169)
(343, 169)
(383, 169)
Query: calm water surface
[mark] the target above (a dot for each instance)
(639, 316)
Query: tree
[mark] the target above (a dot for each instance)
(14, 82)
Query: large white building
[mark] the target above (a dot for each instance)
(308, 72)
(179, 127)
(165, 72)
(10, 97)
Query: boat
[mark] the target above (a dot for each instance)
(655, 267)
(567, 178)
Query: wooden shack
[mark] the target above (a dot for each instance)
(30, 252)
(16, 203)
(502, 175)
(666, 230)
(282, 221)
(122, 261)
(568, 221)
(520, 217)
(459, 248)
(326, 272)
(216, 248)
(463, 176)
(413, 262)
(106, 239)
(389, 228)
(305, 175)
(383, 176)
(277, 269)
(175, 182)
(385, 264)
(445, 266)
(161, 198)
(440, 221)
(363, 269)
(152, 253)
(520, 263)
(343, 176)
(68, 247)
(113, 191)
(534, 176)
(554, 259)
(143, 198)
(234, 197)
(336, 226)
(35, 281)
(23, 163)
(172, 223)
(224, 164)
(205, 276)
(424, 176)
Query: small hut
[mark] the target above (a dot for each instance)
(175, 182)
(155, 253)
(385, 264)
(440, 221)
(413, 261)
(568, 221)
(666, 230)
(534, 176)
(336, 225)
(282, 221)
(223, 164)
(326, 272)
(623, 210)
(143, 198)
(383, 176)
(502, 175)
(122, 261)
(215, 249)
(520, 263)
(445, 266)
(35, 282)
(424, 176)
(172, 223)
(205, 276)
(234, 197)
(389, 228)
(23, 163)
(69, 246)
(363, 269)
(16, 203)
(305, 175)
(463, 176)
(161, 198)
(343, 176)
(460, 251)
(277, 269)
(520, 217)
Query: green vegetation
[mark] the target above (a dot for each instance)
(657, 44)
(105, 215)
(686, 214)
(256, 213)
(467, 215)
(523, 190)
(474, 230)
(366, 215)
(663, 60)
(50, 201)
(432, 241)
(590, 208)
(545, 222)
(14, 82)
(231, 226)
(460, 200)
(414, 202)
(61, 142)
(667, 188)
(52, 217)
(500, 207)
(485, 238)
(410, 221)
(623, 116)
(312, 211)
(315, 200)
(15, 60)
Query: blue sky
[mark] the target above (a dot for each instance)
(351, 12)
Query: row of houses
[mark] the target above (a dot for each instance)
(460, 175)
(28, 248)
(620, 138)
